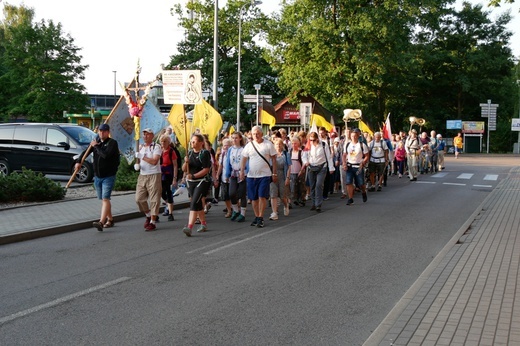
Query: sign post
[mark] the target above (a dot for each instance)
(489, 110)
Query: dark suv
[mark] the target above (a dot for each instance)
(46, 148)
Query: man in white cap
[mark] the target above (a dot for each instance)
(149, 188)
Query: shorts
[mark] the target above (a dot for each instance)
(376, 167)
(354, 174)
(258, 187)
(104, 186)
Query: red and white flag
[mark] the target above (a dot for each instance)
(387, 128)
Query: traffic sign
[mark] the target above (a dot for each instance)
(253, 98)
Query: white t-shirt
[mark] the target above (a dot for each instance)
(258, 168)
(150, 151)
(355, 152)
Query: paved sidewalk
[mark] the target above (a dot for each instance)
(41, 220)
(470, 293)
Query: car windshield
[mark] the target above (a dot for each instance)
(81, 134)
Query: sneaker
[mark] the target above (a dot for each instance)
(150, 227)
(234, 216)
(364, 197)
(255, 222)
(379, 188)
(372, 188)
(98, 225)
(170, 217)
(274, 216)
(318, 209)
(187, 231)
(260, 223)
(241, 218)
(286, 211)
(350, 201)
(147, 222)
(202, 228)
(166, 212)
(214, 201)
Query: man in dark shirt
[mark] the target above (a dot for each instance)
(106, 163)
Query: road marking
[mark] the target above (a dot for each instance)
(439, 175)
(465, 176)
(213, 244)
(425, 182)
(456, 184)
(491, 177)
(61, 300)
(483, 185)
(252, 237)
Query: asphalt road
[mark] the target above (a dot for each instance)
(306, 279)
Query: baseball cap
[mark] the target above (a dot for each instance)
(149, 130)
(439, 136)
(336, 140)
(104, 127)
(356, 130)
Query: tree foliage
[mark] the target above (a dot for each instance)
(425, 60)
(39, 69)
(196, 51)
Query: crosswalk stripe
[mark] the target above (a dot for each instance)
(465, 176)
(483, 185)
(457, 184)
(491, 177)
(439, 175)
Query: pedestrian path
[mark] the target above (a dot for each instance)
(469, 295)
(40, 220)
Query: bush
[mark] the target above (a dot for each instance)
(126, 177)
(28, 186)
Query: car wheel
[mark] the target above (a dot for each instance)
(85, 173)
(4, 167)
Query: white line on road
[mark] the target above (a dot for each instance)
(491, 177)
(439, 175)
(483, 185)
(61, 300)
(465, 176)
(425, 182)
(253, 237)
(456, 184)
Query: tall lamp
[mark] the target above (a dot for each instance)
(253, 3)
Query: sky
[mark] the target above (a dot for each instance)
(115, 35)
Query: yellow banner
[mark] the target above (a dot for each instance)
(180, 124)
(207, 120)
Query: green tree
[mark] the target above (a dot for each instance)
(196, 52)
(354, 54)
(39, 69)
(465, 61)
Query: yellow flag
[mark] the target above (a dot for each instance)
(180, 124)
(231, 130)
(364, 128)
(207, 119)
(321, 122)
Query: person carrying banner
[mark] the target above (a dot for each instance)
(106, 163)
(149, 184)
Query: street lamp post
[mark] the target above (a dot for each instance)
(215, 57)
(115, 100)
(253, 3)
(257, 88)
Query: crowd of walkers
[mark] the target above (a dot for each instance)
(277, 171)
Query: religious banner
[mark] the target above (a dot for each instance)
(182, 87)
